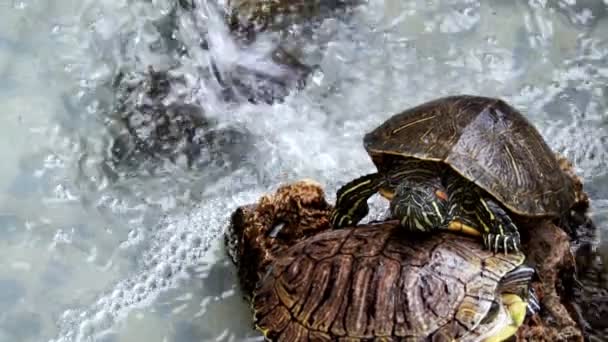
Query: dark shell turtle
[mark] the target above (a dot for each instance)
(373, 282)
(460, 162)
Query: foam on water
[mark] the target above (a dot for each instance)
(91, 257)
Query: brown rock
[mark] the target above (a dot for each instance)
(275, 222)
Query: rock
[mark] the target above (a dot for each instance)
(245, 84)
(293, 22)
(292, 213)
(150, 123)
(548, 251)
(247, 18)
(588, 295)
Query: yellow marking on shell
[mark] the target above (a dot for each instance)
(437, 210)
(516, 309)
(387, 193)
(264, 332)
(396, 130)
(468, 312)
(458, 226)
(515, 168)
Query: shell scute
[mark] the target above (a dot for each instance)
(318, 285)
(325, 245)
(364, 244)
(335, 295)
(294, 281)
(360, 299)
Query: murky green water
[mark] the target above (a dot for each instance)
(90, 257)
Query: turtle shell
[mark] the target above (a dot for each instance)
(486, 141)
(370, 282)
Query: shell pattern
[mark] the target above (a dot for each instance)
(485, 140)
(368, 283)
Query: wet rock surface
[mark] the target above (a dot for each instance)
(572, 297)
(588, 291)
(150, 123)
(246, 18)
(294, 212)
(244, 84)
(292, 25)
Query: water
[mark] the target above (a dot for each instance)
(92, 254)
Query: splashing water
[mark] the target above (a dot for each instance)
(127, 256)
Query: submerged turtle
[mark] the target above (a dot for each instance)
(463, 163)
(373, 282)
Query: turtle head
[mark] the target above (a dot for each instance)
(420, 206)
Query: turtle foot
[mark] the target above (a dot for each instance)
(509, 242)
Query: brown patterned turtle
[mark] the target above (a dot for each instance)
(370, 283)
(462, 163)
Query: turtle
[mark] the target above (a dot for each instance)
(309, 282)
(465, 163)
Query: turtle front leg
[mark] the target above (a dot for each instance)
(500, 233)
(351, 200)
(476, 214)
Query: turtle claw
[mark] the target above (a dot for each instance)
(502, 242)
